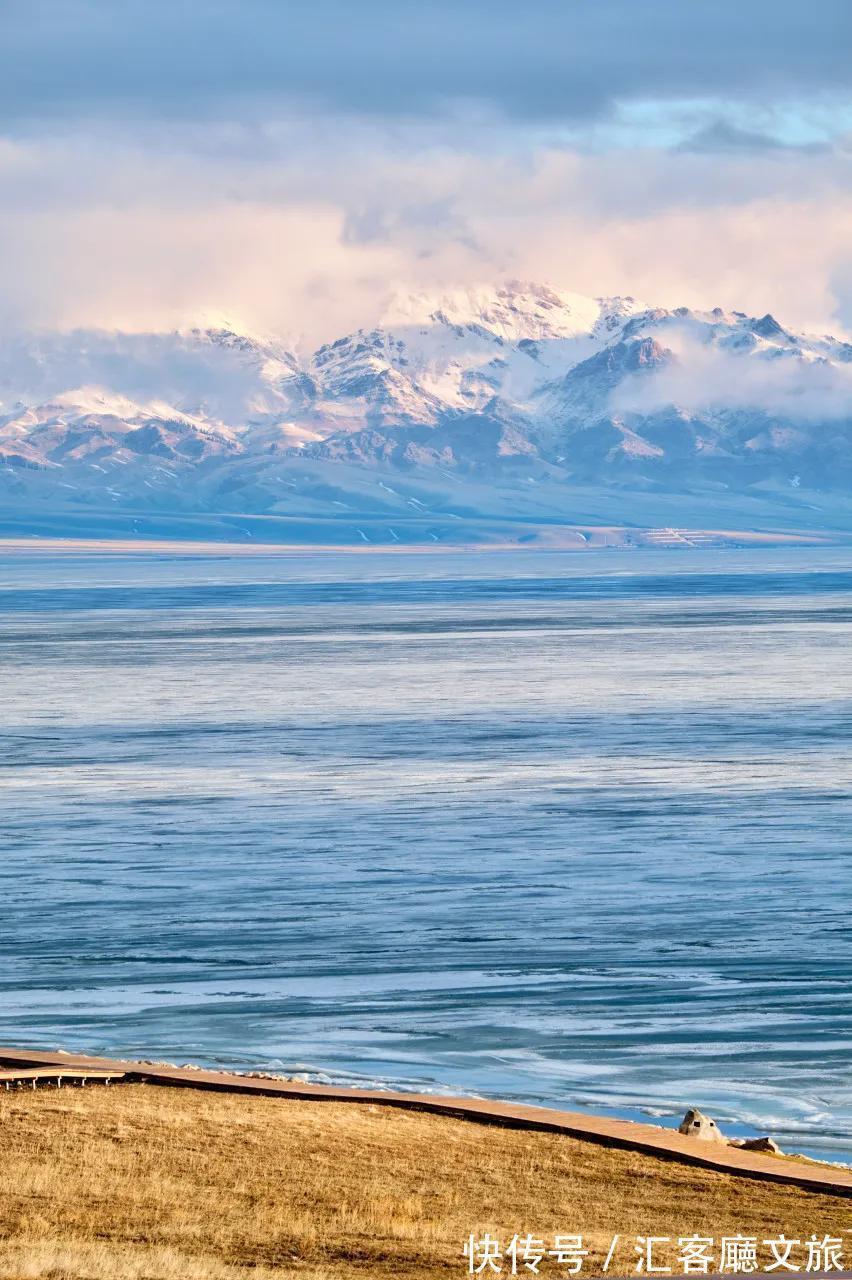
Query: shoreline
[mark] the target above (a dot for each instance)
(629, 1135)
(553, 539)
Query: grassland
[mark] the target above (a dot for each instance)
(138, 1182)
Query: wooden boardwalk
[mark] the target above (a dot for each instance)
(18, 1077)
(650, 1139)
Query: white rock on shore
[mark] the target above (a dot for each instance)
(696, 1125)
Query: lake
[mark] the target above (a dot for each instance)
(569, 828)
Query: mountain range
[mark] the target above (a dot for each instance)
(500, 412)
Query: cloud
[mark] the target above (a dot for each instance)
(549, 60)
(721, 137)
(288, 165)
(308, 230)
(706, 377)
(253, 267)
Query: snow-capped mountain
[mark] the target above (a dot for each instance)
(479, 399)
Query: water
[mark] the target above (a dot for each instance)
(562, 828)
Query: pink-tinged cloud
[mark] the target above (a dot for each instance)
(308, 231)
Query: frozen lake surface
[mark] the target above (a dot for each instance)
(565, 828)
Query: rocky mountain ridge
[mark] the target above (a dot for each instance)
(502, 389)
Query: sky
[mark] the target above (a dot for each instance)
(285, 167)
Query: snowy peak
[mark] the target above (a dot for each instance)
(513, 312)
(586, 390)
(459, 350)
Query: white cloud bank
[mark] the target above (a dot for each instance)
(307, 229)
(703, 377)
(289, 165)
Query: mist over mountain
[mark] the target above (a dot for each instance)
(515, 406)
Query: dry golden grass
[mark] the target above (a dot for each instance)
(139, 1182)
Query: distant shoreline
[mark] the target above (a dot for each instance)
(562, 539)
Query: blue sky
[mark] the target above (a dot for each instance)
(288, 165)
